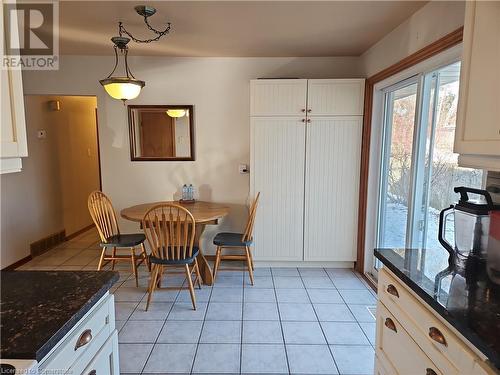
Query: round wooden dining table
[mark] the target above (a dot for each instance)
(204, 213)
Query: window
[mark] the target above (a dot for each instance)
(418, 166)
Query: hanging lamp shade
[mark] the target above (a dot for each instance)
(122, 87)
(176, 112)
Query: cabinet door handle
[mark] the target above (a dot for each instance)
(437, 336)
(93, 372)
(308, 120)
(309, 110)
(303, 110)
(84, 339)
(429, 371)
(391, 289)
(303, 120)
(390, 324)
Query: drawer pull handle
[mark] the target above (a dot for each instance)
(430, 371)
(93, 372)
(390, 324)
(437, 336)
(84, 339)
(391, 289)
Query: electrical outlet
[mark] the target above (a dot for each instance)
(41, 134)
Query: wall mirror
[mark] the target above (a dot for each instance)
(161, 132)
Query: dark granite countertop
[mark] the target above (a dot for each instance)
(37, 308)
(461, 291)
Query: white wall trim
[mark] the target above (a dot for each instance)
(303, 264)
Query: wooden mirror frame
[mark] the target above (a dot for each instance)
(132, 138)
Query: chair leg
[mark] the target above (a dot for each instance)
(251, 258)
(134, 266)
(152, 284)
(145, 257)
(160, 276)
(249, 264)
(101, 259)
(191, 288)
(113, 261)
(197, 272)
(217, 261)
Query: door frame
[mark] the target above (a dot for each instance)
(385, 151)
(442, 52)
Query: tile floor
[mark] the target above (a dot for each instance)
(293, 321)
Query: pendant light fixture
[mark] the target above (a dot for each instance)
(126, 87)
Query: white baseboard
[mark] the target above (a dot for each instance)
(294, 264)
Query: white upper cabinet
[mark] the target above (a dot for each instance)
(335, 97)
(13, 143)
(278, 97)
(478, 123)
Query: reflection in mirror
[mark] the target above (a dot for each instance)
(161, 132)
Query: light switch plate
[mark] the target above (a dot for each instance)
(243, 168)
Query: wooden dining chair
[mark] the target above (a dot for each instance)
(170, 231)
(102, 213)
(237, 240)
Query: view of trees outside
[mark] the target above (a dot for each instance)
(445, 173)
(399, 167)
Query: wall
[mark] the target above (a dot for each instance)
(35, 200)
(428, 24)
(219, 90)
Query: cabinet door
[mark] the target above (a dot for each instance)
(278, 97)
(277, 171)
(332, 188)
(397, 350)
(106, 360)
(13, 142)
(478, 125)
(335, 97)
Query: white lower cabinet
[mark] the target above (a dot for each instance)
(278, 154)
(396, 349)
(106, 360)
(333, 155)
(90, 348)
(411, 339)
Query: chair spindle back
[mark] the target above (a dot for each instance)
(102, 213)
(170, 231)
(247, 236)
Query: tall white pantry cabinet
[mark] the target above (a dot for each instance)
(305, 160)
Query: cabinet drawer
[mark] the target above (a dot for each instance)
(85, 337)
(104, 362)
(441, 345)
(396, 349)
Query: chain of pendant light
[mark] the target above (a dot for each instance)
(122, 30)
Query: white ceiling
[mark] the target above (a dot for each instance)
(235, 28)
